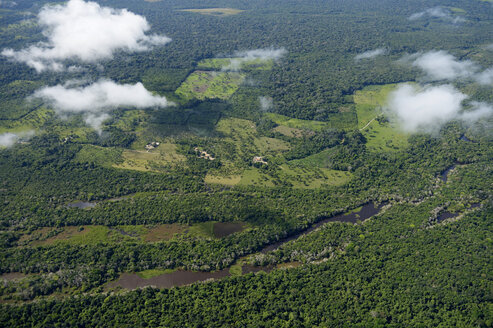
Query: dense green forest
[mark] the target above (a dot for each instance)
(277, 118)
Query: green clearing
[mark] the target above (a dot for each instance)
(214, 11)
(384, 137)
(297, 123)
(162, 232)
(322, 159)
(257, 64)
(95, 234)
(131, 120)
(267, 145)
(14, 104)
(210, 85)
(103, 156)
(32, 121)
(203, 229)
(147, 274)
(341, 120)
(231, 180)
(241, 140)
(381, 135)
(236, 270)
(162, 157)
(289, 132)
(458, 10)
(87, 235)
(296, 177)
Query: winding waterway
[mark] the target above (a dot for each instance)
(184, 277)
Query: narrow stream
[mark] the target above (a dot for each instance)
(368, 210)
(444, 174)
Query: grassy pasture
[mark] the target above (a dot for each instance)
(94, 234)
(215, 11)
(103, 156)
(289, 132)
(223, 63)
(381, 136)
(163, 232)
(147, 274)
(32, 121)
(240, 142)
(296, 177)
(297, 123)
(210, 85)
(164, 155)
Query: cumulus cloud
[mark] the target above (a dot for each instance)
(241, 57)
(98, 98)
(440, 65)
(437, 12)
(427, 109)
(266, 103)
(9, 139)
(96, 120)
(371, 54)
(87, 32)
(7, 4)
(485, 77)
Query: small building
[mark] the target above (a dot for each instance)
(204, 154)
(152, 145)
(259, 159)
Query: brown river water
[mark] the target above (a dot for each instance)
(184, 277)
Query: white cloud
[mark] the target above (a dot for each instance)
(427, 109)
(95, 120)
(485, 77)
(8, 4)
(241, 57)
(440, 65)
(266, 103)
(98, 98)
(437, 12)
(87, 32)
(371, 54)
(9, 139)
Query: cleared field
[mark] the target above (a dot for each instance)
(321, 160)
(381, 135)
(215, 11)
(240, 143)
(236, 63)
(163, 156)
(86, 235)
(296, 177)
(14, 104)
(103, 156)
(369, 102)
(297, 123)
(226, 180)
(341, 120)
(289, 132)
(32, 121)
(210, 85)
(163, 232)
(266, 144)
(147, 274)
(94, 234)
(131, 120)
